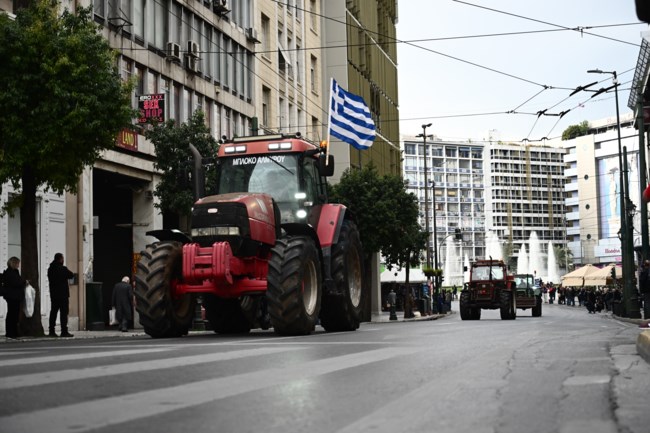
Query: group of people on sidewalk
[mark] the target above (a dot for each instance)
(13, 290)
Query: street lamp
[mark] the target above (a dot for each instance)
(626, 240)
(426, 205)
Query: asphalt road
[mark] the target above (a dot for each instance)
(567, 371)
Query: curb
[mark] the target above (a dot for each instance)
(643, 345)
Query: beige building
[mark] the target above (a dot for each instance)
(361, 55)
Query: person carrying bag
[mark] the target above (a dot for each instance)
(14, 294)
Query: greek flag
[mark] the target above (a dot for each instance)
(350, 119)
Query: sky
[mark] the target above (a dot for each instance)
(454, 83)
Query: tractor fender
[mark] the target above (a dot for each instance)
(170, 235)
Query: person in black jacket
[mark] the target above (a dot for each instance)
(14, 294)
(122, 300)
(58, 276)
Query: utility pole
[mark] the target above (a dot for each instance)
(643, 179)
(630, 297)
(426, 208)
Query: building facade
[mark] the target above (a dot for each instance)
(456, 193)
(593, 190)
(361, 55)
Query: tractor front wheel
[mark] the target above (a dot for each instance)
(294, 285)
(508, 308)
(161, 314)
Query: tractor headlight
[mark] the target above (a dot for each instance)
(301, 213)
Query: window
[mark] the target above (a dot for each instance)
(312, 74)
(266, 35)
(313, 12)
(266, 105)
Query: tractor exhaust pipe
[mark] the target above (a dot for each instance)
(198, 176)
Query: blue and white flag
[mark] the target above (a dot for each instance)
(350, 119)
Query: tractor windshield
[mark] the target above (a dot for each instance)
(483, 273)
(276, 175)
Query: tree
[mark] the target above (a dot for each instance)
(574, 131)
(62, 102)
(387, 215)
(174, 161)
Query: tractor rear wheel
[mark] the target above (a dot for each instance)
(508, 308)
(226, 315)
(343, 312)
(465, 309)
(537, 309)
(294, 285)
(162, 315)
(476, 313)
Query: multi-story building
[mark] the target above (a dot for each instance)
(593, 190)
(508, 189)
(360, 53)
(456, 185)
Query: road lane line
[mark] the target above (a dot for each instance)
(96, 414)
(76, 357)
(50, 377)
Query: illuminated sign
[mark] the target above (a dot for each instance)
(127, 139)
(152, 108)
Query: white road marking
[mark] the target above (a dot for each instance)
(96, 414)
(77, 356)
(49, 377)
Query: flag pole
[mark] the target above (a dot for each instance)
(329, 122)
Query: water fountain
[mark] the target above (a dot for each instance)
(553, 268)
(452, 269)
(522, 261)
(493, 246)
(535, 257)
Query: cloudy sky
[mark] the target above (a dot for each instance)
(454, 70)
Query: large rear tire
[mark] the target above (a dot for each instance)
(508, 307)
(537, 309)
(343, 313)
(226, 315)
(161, 315)
(294, 285)
(465, 309)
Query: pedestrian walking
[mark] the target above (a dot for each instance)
(58, 276)
(14, 294)
(122, 300)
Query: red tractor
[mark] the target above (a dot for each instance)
(490, 287)
(265, 250)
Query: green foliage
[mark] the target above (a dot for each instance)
(574, 131)
(62, 101)
(387, 215)
(174, 160)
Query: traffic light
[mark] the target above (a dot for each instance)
(458, 235)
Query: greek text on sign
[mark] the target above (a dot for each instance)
(252, 160)
(152, 108)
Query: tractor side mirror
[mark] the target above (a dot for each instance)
(326, 165)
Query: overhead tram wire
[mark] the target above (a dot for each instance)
(395, 40)
(581, 30)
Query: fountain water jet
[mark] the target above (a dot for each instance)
(522, 261)
(553, 274)
(535, 258)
